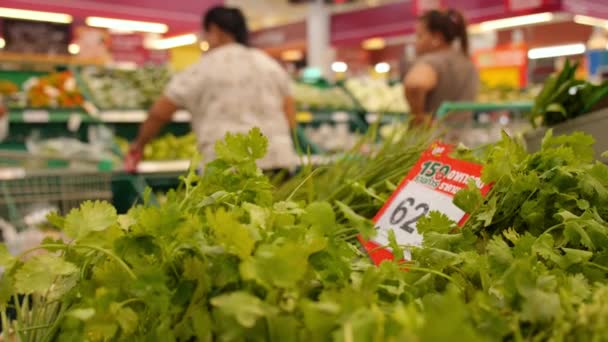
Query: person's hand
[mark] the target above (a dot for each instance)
(132, 158)
(2, 111)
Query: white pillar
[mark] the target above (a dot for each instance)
(318, 30)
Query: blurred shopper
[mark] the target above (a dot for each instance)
(443, 70)
(233, 88)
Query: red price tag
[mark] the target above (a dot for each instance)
(429, 186)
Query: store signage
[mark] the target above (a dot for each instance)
(503, 65)
(429, 186)
(35, 37)
(128, 48)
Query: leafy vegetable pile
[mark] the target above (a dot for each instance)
(222, 260)
(166, 147)
(563, 97)
(125, 89)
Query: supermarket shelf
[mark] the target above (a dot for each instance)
(19, 58)
(66, 115)
(449, 107)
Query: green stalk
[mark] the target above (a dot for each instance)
(99, 249)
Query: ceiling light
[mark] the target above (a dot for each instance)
(339, 66)
(2, 43)
(169, 43)
(292, 55)
(500, 24)
(557, 51)
(591, 21)
(53, 17)
(204, 45)
(374, 44)
(382, 67)
(74, 49)
(127, 25)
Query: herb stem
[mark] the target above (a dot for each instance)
(99, 249)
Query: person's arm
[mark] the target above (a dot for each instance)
(159, 115)
(289, 108)
(418, 82)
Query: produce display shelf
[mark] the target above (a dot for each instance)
(449, 107)
(37, 59)
(66, 115)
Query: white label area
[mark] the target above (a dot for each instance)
(35, 116)
(413, 202)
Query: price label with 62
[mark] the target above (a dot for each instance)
(429, 186)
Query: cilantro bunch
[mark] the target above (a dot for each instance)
(225, 260)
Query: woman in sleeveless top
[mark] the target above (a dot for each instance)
(443, 70)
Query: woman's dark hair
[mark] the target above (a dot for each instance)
(450, 24)
(229, 20)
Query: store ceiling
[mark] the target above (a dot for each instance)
(268, 13)
(181, 15)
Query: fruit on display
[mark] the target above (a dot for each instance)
(310, 97)
(8, 88)
(228, 258)
(125, 89)
(378, 96)
(499, 94)
(170, 147)
(55, 90)
(166, 147)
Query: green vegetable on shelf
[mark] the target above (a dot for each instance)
(563, 97)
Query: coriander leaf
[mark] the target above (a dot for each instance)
(238, 148)
(468, 199)
(126, 318)
(245, 308)
(487, 215)
(435, 221)
(38, 274)
(90, 217)
(230, 233)
(363, 225)
(394, 245)
(83, 314)
(320, 214)
(6, 259)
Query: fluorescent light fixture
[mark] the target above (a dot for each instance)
(374, 44)
(500, 24)
(74, 49)
(52, 17)
(591, 21)
(172, 42)
(339, 66)
(2, 43)
(382, 67)
(557, 51)
(127, 25)
(292, 55)
(204, 45)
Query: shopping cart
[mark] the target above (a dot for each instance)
(31, 186)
